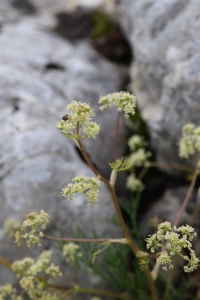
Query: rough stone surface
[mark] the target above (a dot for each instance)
(168, 207)
(165, 38)
(40, 74)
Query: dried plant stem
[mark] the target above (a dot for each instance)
(117, 134)
(187, 198)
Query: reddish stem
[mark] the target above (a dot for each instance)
(117, 134)
(194, 215)
(142, 173)
(91, 165)
(5, 262)
(187, 198)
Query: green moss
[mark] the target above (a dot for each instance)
(102, 24)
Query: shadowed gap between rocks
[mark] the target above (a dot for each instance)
(25, 6)
(106, 36)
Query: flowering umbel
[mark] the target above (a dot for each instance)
(134, 183)
(70, 251)
(190, 141)
(137, 141)
(123, 100)
(8, 292)
(87, 186)
(30, 228)
(177, 239)
(29, 271)
(79, 114)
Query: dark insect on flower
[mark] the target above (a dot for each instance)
(65, 117)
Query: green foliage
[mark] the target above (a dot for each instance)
(111, 266)
(121, 165)
(102, 24)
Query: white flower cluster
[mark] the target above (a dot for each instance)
(11, 226)
(87, 186)
(81, 114)
(70, 251)
(30, 270)
(30, 228)
(8, 292)
(36, 290)
(134, 184)
(139, 158)
(177, 239)
(123, 100)
(136, 141)
(190, 141)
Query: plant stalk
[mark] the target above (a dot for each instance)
(5, 262)
(117, 134)
(194, 215)
(187, 198)
(118, 210)
(121, 219)
(91, 165)
(84, 240)
(151, 284)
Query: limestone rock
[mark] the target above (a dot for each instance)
(40, 74)
(164, 36)
(168, 207)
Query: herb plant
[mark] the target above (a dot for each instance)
(35, 276)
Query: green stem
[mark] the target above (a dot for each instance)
(173, 250)
(151, 284)
(80, 240)
(171, 274)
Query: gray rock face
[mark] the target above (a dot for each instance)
(168, 207)
(164, 36)
(40, 74)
